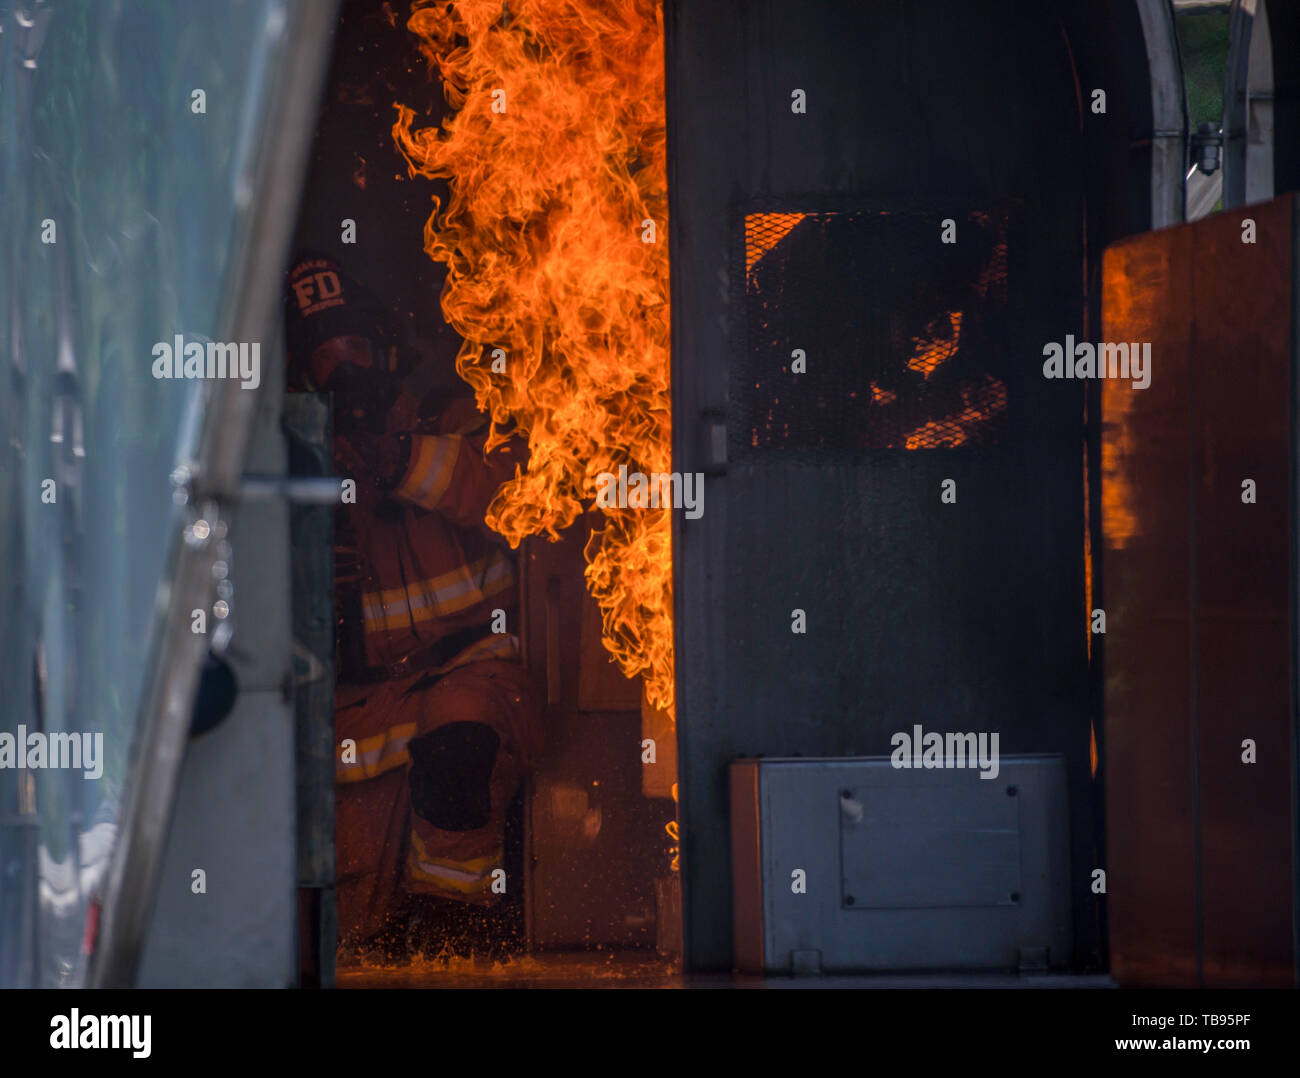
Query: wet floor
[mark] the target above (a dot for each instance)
(639, 970)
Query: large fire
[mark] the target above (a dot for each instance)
(555, 242)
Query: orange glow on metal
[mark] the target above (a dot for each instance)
(555, 242)
(980, 404)
(1087, 555)
(763, 231)
(937, 348)
(1123, 287)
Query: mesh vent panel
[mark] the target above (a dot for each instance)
(899, 333)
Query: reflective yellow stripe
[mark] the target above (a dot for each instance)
(438, 597)
(474, 865)
(383, 752)
(429, 474)
(375, 755)
(432, 584)
(442, 879)
(496, 577)
(464, 877)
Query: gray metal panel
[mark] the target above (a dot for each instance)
(910, 840)
(1248, 108)
(927, 928)
(234, 819)
(1168, 113)
(261, 647)
(1259, 112)
(235, 812)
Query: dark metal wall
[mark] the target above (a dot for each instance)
(962, 617)
(308, 427)
(1284, 29)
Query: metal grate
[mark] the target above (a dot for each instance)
(763, 231)
(899, 334)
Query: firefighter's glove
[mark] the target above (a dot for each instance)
(375, 459)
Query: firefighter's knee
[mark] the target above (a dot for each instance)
(451, 775)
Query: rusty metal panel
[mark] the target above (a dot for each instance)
(746, 865)
(1148, 749)
(1241, 386)
(1197, 595)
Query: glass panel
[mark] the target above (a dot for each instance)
(123, 129)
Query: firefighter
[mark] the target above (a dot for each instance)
(435, 718)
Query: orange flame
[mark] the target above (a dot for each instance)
(556, 251)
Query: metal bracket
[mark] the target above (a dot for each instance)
(713, 426)
(315, 668)
(1207, 148)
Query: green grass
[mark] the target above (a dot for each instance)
(1203, 41)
